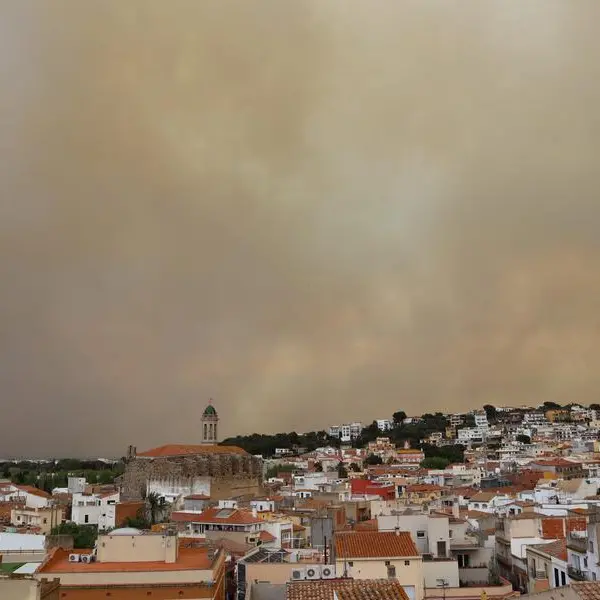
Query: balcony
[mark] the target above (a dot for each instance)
(538, 574)
(577, 543)
(576, 574)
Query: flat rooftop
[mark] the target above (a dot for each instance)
(189, 559)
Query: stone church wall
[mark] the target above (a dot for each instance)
(230, 474)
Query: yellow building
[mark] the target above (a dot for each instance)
(381, 555)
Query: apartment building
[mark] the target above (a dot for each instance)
(380, 555)
(130, 565)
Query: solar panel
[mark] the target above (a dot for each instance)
(225, 513)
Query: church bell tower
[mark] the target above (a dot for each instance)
(210, 419)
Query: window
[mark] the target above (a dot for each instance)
(86, 519)
(407, 563)
(592, 547)
(391, 572)
(593, 576)
(563, 578)
(45, 521)
(585, 563)
(350, 563)
(387, 563)
(420, 534)
(450, 533)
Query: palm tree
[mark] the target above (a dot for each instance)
(155, 506)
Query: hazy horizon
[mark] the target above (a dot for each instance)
(311, 212)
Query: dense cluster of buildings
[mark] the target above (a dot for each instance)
(519, 515)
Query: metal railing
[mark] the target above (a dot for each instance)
(576, 574)
(577, 543)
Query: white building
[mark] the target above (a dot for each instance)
(31, 496)
(481, 420)
(76, 485)
(385, 424)
(95, 509)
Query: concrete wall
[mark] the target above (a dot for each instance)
(375, 568)
(441, 569)
(137, 548)
(22, 557)
(474, 575)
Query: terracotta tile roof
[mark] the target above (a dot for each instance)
(477, 514)
(374, 544)
(346, 589)
(557, 462)
(186, 449)
(226, 516)
(586, 590)
(34, 491)
(197, 497)
(188, 559)
(370, 525)
(423, 487)
(265, 536)
(557, 549)
(483, 497)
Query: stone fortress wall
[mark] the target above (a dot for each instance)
(230, 474)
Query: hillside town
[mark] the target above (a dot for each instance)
(374, 514)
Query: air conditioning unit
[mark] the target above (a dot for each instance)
(74, 557)
(328, 572)
(86, 558)
(313, 572)
(298, 574)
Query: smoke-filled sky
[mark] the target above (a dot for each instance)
(310, 211)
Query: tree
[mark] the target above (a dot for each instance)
(373, 459)
(342, 471)
(155, 507)
(524, 439)
(435, 462)
(398, 417)
(84, 536)
(368, 434)
(551, 406)
(490, 412)
(595, 406)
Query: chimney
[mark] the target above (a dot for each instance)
(455, 510)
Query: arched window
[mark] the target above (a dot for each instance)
(205, 431)
(215, 432)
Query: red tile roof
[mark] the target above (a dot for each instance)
(588, 590)
(186, 449)
(265, 536)
(374, 544)
(557, 549)
(226, 516)
(346, 589)
(34, 491)
(197, 497)
(423, 487)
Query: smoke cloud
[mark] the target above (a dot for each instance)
(310, 211)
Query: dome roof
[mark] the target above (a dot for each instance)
(210, 410)
(125, 531)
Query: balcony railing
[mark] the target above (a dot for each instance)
(577, 543)
(576, 574)
(538, 574)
